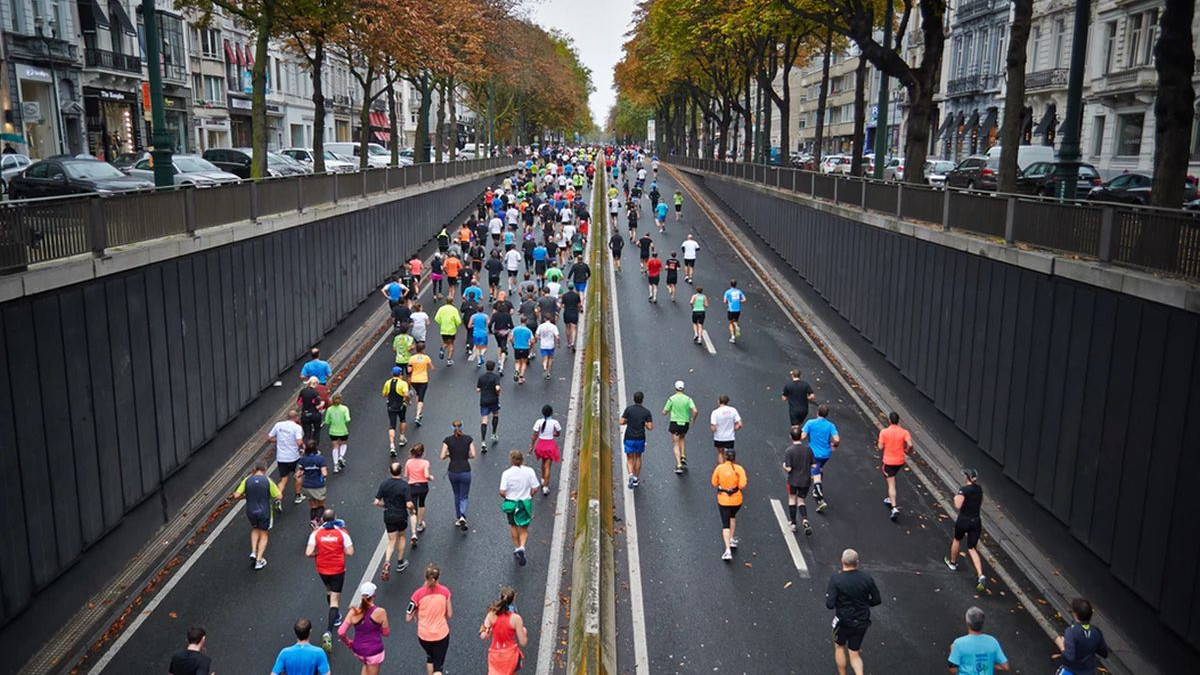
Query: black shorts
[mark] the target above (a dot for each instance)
(495, 281)
(850, 638)
(796, 418)
(261, 521)
(395, 524)
(890, 470)
(448, 339)
(733, 316)
(501, 343)
(512, 274)
(678, 429)
(419, 388)
(672, 278)
(571, 318)
(334, 582)
(654, 280)
(723, 444)
(539, 267)
(728, 513)
(644, 255)
(287, 469)
(800, 492)
(397, 417)
(969, 529)
(678, 208)
(452, 281)
(698, 318)
(616, 254)
(435, 652)
(417, 492)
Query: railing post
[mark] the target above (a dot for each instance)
(835, 189)
(254, 201)
(420, 171)
(300, 193)
(812, 185)
(336, 180)
(1010, 211)
(97, 232)
(1107, 231)
(794, 174)
(189, 211)
(862, 197)
(363, 177)
(946, 208)
(899, 198)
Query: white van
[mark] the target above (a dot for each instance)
(1026, 154)
(377, 155)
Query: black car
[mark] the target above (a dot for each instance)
(974, 173)
(65, 175)
(234, 161)
(1039, 179)
(1134, 188)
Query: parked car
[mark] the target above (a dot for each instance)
(11, 165)
(286, 165)
(894, 169)
(974, 173)
(189, 170)
(334, 163)
(126, 160)
(835, 164)
(936, 170)
(1039, 179)
(237, 162)
(1134, 188)
(377, 155)
(1026, 154)
(65, 175)
(803, 160)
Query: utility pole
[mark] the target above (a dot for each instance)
(881, 117)
(1066, 172)
(164, 173)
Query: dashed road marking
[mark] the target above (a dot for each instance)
(790, 538)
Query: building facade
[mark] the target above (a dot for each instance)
(973, 68)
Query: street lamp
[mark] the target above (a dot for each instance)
(53, 25)
(1066, 172)
(164, 172)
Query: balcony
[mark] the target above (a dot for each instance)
(971, 8)
(963, 86)
(1043, 79)
(102, 58)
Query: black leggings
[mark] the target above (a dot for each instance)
(435, 652)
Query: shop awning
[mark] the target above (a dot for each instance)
(249, 60)
(230, 56)
(383, 136)
(121, 17)
(91, 16)
(1047, 121)
(960, 121)
(974, 120)
(380, 120)
(947, 125)
(989, 121)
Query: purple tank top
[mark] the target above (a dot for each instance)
(368, 640)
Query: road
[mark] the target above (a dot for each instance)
(762, 613)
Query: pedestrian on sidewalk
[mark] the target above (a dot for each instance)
(459, 448)
(1082, 644)
(724, 421)
(418, 474)
(301, 657)
(262, 500)
(337, 419)
(729, 478)
(699, 304)
(517, 484)
(431, 607)
(329, 545)
(822, 437)
(851, 594)
(681, 411)
(797, 464)
(288, 437)
(544, 444)
(734, 297)
(396, 393)
(392, 496)
(895, 443)
(311, 472)
(507, 630)
(370, 623)
(637, 421)
(968, 526)
(798, 395)
(976, 652)
(192, 660)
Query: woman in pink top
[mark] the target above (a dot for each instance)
(370, 625)
(416, 472)
(430, 606)
(507, 630)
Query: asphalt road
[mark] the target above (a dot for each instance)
(761, 614)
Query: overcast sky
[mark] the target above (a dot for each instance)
(598, 28)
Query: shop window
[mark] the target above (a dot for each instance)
(1196, 138)
(1098, 135)
(1129, 134)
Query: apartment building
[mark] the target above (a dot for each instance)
(973, 68)
(838, 134)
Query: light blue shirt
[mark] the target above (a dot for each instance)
(734, 298)
(976, 654)
(661, 210)
(474, 292)
(522, 337)
(479, 324)
(316, 368)
(301, 659)
(820, 436)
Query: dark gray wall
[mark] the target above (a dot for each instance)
(108, 387)
(1088, 398)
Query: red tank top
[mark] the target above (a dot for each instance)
(331, 550)
(503, 634)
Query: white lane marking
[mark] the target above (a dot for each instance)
(641, 655)
(790, 538)
(372, 565)
(708, 343)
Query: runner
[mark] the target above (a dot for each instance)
(672, 266)
(479, 336)
(724, 421)
(192, 660)
(968, 526)
(288, 438)
(301, 657)
(396, 392)
(699, 304)
(678, 199)
(448, 320)
(614, 205)
(571, 300)
(544, 444)
(522, 338)
(417, 473)
(822, 437)
(431, 607)
(337, 419)
(540, 254)
(517, 484)
(1081, 644)
(460, 450)
(797, 463)
(370, 625)
(850, 594)
(418, 376)
(689, 247)
(394, 291)
(329, 545)
(393, 497)
(437, 273)
(501, 326)
(734, 297)
(637, 421)
(580, 273)
(978, 652)
(453, 266)
(653, 270)
(507, 630)
(645, 247)
(895, 442)
(547, 334)
(495, 268)
(488, 386)
(729, 478)
(311, 408)
(681, 412)
(262, 499)
(631, 215)
(316, 367)
(798, 395)
(512, 265)
(660, 215)
(615, 244)
(443, 239)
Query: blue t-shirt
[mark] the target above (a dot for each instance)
(522, 337)
(479, 322)
(301, 660)
(509, 237)
(394, 290)
(978, 654)
(312, 465)
(474, 292)
(661, 210)
(820, 436)
(734, 298)
(616, 171)
(568, 169)
(539, 253)
(498, 205)
(318, 368)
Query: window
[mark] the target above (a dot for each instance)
(983, 45)
(1110, 47)
(214, 89)
(1060, 42)
(1098, 135)
(1001, 60)
(1141, 37)
(1035, 50)
(959, 66)
(209, 41)
(1129, 134)
(197, 86)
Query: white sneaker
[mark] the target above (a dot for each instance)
(733, 543)
(545, 489)
(731, 340)
(727, 555)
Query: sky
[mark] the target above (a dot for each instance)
(598, 28)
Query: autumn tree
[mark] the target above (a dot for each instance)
(309, 29)
(1174, 106)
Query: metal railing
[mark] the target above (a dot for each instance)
(40, 230)
(1155, 239)
(102, 58)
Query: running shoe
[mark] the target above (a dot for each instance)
(441, 353)
(385, 572)
(420, 527)
(631, 482)
(545, 489)
(495, 438)
(516, 377)
(401, 565)
(547, 376)
(727, 555)
(732, 340)
(636, 481)
(807, 528)
(417, 421)
(392, 452)
(981, 584)
(253, 555)
(277, 504)
(793, 526)
(887, 501)
(327, 642)
(337, 468)
(678, 469)
(403, 440)
(683, 461)
(822, 506)
(413, 542)
(260, 563)
(337, 621)
(449, 363)
(733, 542)
(479, 362)
(342, 461)
(895, 514)
(462, 524)
(521, 557)
(298, 500)
(951, 565)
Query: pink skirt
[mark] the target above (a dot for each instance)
(547, 448)
(372, 660)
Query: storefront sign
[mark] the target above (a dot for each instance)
(240, 103)
(173, 103)
(112, 95)
(33, 73)
(31, 111)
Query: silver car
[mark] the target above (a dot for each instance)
(334, 163)
(935, 171)
(189, 170)
(11, 165)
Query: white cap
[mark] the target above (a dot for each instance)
(678, 385)
(367, 589)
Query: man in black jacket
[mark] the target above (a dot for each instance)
(851, 594)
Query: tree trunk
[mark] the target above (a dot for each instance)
(767, 105)
(364, 126)
(860, 118)
(692, 147)
(921, 82)
(317, 64)
(1014, 98)
(393, 119)
(823, 97)
(440, 134)
(453, 128)
(785, 115)
(748, 119)
(1174, 59)
(723, 144)
(258, 98)
(421, 151)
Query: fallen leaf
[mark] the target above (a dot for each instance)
(788, 585)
